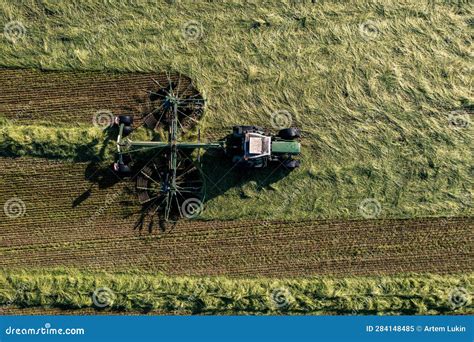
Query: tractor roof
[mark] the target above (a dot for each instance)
(257, 145)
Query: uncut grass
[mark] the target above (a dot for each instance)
(374, 111)
(72, 289)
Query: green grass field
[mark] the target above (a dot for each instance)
(372, 85)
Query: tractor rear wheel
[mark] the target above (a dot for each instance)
(290, 133)
(122, 169)
(238, 131)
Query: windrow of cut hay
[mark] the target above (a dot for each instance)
(73, 143)
(409, 294)
(79, 142)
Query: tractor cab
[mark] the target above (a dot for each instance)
(256, 146)
(251, 147)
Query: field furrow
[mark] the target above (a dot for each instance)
(77, 97)
(71, 219)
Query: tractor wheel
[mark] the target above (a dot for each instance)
(127, 130)
(240, 130)
(290, 133)
(122, 169)
(126, 158)
(127, 120)
(291, 163)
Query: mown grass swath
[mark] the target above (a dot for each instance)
(80, 142)
(409, 294)
(69, 143)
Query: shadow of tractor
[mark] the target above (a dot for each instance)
(222, 175)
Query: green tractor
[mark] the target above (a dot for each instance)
(247, 146)
(171, 180)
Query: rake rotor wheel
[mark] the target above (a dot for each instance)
(162, 93)
(153, 187)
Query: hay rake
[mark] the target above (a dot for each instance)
(172, 180)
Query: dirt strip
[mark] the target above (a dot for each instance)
(73, 96)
